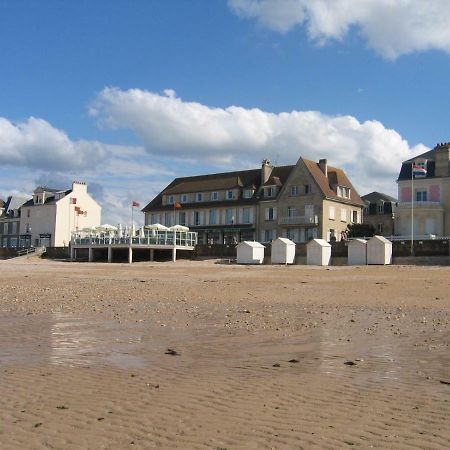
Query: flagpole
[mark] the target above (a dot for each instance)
(412, 208)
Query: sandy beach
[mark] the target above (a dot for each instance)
(200, 355)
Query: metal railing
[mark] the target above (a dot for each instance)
(299, 220)
(168, 238)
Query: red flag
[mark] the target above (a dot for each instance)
(135, 204)
(177, 205)
(73, 201)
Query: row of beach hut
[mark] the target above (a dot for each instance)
(377, 250)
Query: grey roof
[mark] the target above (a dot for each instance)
(375, 197)
(14, 202)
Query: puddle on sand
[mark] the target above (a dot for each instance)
(65, 340)
(60, 339)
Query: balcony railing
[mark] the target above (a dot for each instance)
(299, 220)
(418, 204)
(169, 238)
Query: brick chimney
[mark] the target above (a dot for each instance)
(266, 170)
(323, 164)
(442, 159)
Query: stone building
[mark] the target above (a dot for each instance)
(380, 212)
(52, 215)
(300, 202)
(10, 235)
(424, 199)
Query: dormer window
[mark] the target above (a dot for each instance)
(248, 193)
(269, 191)
(170, 199)
(214, 196)
(184, 198)
(230, 195)
(343, 192)
(199, 197)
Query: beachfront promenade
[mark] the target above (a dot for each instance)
(153, 240)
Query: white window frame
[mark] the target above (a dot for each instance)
(184, 198)
(331, 212)
(213, 215)
(248, 193)
(199, 197)
(246, 215)
(230, 195)
(343, 215)
(295, 191)
(214, 196)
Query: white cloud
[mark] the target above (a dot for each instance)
(391, 27)
(238, 138)
(34, 152)
(36, 143)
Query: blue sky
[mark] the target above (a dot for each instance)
(127, 95)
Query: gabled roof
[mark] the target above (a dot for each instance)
(335, 177)
(46, 189)
(218, 181)
(252, 244)
(375, 197)
(48, 200)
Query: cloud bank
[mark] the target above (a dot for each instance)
(36, 143)
(237, 137)
(391, 27)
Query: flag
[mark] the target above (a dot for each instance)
(73, 201)
(135, 204)
(419, 171)
(177, 205)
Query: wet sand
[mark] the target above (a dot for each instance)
(266, 357)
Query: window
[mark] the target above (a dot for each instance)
(197, 218)
(154, 218)
(269, 192)
(230, 195)
(184, 198)
(229, 218)
(248, 193)
(380, 228)
(268, 235)
(291, 211)
(199, 197)
(213, 217)
(271, 213)
(246, 215)
(295, 191)
(307, 189)
(421, 196)
(214, 196)
(182, 218)
(343, 215)
(331, 212)
(168, 219)
(355, 216)
(171, 200)
(343, 192)
(28, 212)
(380, 208)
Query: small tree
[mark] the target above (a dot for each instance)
(356, 230)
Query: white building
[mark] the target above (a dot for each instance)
(52, 215)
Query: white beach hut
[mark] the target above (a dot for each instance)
(318, 252)
(283, 251)
(250, 252)
(357, 252)
(379, 250)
